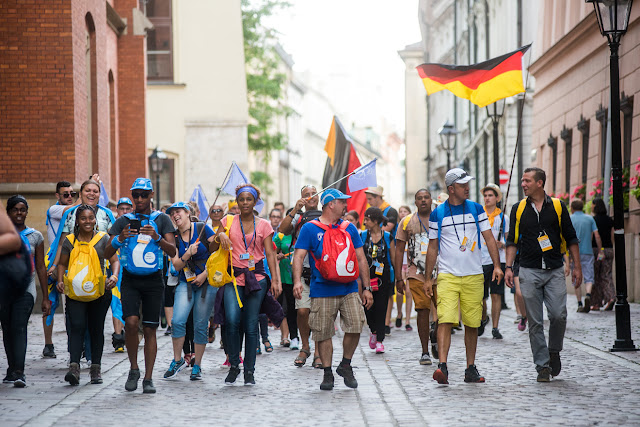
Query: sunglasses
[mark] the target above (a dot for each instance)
(141, 195)
(215, 211)
(72, 194)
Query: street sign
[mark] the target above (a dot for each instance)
(504, 176)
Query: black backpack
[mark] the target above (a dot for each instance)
(15, 273)
(305, 218)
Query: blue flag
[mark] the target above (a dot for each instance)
(363, 177)
(199, 197)
(104, 198)
(237, 177)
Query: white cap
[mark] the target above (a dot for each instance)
(457, 176)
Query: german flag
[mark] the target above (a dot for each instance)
(483, 83)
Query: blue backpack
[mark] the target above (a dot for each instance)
(470, 207)
(141, 258)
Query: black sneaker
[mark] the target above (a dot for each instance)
(398, 322)
(580, 308)
(554, 363)
(425, 359)
(496, 334)
(346, 372)
(441, 374)
(248, 379)
(234, 371)
(20, 381)
(327, 382)
(483, 323)
(544, 375)
(48, 352)
(174, 368)
(387, 330)
(132, 380)
(167, 332)
(10, 378)
(587, 304)
(148, 387)
(471, 375)
(434, 350)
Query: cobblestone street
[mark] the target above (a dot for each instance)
(595, 386)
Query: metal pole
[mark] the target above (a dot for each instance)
(623, 341)
(448, 161)
(496, 156)
(158, 190)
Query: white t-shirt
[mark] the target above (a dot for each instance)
(54, 217)
(495, 229)
(455, 227)
(103, 222)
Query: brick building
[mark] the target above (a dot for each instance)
(72, 97)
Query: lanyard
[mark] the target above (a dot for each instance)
(464, 229)
(254, 234)
(180, 236)
(422, 225)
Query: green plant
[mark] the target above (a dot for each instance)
(262, 180)
(634, 182)
(625, 189)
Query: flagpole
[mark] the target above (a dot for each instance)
(332, 184)
(223, 181)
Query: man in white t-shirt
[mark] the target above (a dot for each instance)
(454, 234)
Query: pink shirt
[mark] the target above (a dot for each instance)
(256, 248)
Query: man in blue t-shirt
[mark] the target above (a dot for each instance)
(328, 297)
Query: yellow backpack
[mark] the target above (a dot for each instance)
(557, 206)
(85, 279)
(220, 263)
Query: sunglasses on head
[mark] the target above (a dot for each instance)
(71, 194)
(138, 195)
(215, 211)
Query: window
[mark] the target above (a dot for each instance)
(566, 135)
(159, 41)
(583, 127)
(553, 143)
(602, 116)
(626, 107)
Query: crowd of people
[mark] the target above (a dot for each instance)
(297, 269)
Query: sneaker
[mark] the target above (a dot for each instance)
(10, 378)
(148, 387)
(117, 340)
(212, 334)
(119, 349)
(518, 318)
(587, 304)
(425, 359)
(249, 379)
(379, 348)
(295, 344)
(346, 372)
(163, 322)
(73, 376)
(398, 322)
(496, 334)
(459, 326)
(167, 332)
(523, 324)
(544, 375)
(327, 381)
(234, 371)
(372, 341)
(132, 380)
(48, 352)
(434, 350)
(226, 362)
(554, 363)
(196, 373)
(174, 368)
(387, 330)
(580, 308)
(20, 381)
(441, 374)
(408, 328)
(483, 323)
(471, 375)
(96, 375)
(258, 350)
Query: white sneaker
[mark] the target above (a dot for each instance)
(295, 344)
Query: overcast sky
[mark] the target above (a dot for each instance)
(358, 39)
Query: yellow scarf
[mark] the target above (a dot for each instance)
(384, 205)
(492, 216)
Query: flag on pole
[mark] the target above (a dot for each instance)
(363, 177)
(104, 198)
(342, 160)
(237, 177)
(201, 200)
(483, 83)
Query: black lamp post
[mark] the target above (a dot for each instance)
(448, 140)
(613, 20)
(496, 114)
(156, 160)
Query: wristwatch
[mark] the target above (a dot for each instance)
(509, 266)
(366, 289)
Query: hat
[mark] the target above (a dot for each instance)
(456, 176)
(495, 188)
(124, 201)
(332, 194)
(142, 184)
(376, 191)
(179, 205)
(231, 204)
(442, 197)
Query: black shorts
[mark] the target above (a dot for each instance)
(146, 290)
(489, 285)
(169, 293)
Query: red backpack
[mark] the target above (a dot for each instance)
(339, 262)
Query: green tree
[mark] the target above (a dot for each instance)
(265, 84)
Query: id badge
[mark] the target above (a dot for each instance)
(545, 243)
(379, 269)
(144, 239)
(244, 257)
(190, 275)
(252, 263)
(424, 245)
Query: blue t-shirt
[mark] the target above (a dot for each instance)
(584, 225)
(201, 255)
(310, 239)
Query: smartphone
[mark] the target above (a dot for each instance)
(135, 224)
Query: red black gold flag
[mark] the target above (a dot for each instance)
(342, 160)
(483, 83)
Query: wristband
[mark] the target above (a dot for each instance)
(292, 217)
(366, 289)
(508, 266)
(159, 238)
(116, 244)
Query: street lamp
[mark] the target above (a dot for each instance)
(496, 114)
(613, 19)
(156, 160)
(448, 140)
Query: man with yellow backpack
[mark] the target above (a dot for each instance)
(542, 231)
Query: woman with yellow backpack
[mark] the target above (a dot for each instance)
(83, 254)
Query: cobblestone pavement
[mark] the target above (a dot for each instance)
(595, 386)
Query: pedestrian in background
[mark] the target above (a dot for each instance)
(403, 212)
(603, 292)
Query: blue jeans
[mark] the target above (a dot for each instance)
(182, 306)
(14, 316)
(239, 320)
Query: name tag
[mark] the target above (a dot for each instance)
(190, 275)
(424, 245)
(252, 263)
(545, 243)
(144, 239)
(469, 244)
(245, 256)
(379, 269)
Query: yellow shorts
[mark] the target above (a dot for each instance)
(469, 290)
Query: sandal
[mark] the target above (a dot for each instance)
(267, 346)
(317, 365)
(285, 342)
(301, 360)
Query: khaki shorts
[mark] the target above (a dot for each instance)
(325, 310)
(420, 299)
(305, 301)
(469, 290)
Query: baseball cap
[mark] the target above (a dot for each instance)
(124, 201)
(375, 190)
(495, 188)
(142, 184)
(457, 176)
(332, 194)
(178, 205)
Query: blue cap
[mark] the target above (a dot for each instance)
(332, 194)
(179, 205)
(124, 201)
(142, 184)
